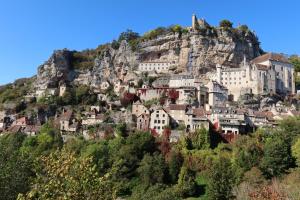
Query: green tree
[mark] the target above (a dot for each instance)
(46, 142)
(99, 153)
(247, 153)
(221, 180)
(186, 185)
(296, 151)
(226, 23)
(175, 164)
(121, 129)
(277, 156)
(128, 35)
(243, 28)
(69, 97)
(200, 139)
(295, 60)
(152, 169)
(15, 169)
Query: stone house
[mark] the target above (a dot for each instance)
(93, 117)
(159, 119)
(217, 94)
(151, 93)
(143, 122)
(196, 119)
(138, 108)
(177, 113)
(68, 122)
(32, 130)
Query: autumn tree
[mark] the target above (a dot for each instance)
(62, 176)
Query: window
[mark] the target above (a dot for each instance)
(155, 121)
(163, 121)
(158, 121)
(158, 127)
(157, 115)
(164, 115)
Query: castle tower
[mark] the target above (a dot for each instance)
(194, 21)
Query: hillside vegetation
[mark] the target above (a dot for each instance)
(263, 165)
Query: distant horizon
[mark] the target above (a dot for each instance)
(32, 30)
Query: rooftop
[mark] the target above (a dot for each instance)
(272, 57)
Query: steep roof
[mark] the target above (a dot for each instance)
(270, 56)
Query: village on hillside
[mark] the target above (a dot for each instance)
(229, 100)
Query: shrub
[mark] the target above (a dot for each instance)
(226, 23)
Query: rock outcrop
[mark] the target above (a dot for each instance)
(57, 68)
(194, 51)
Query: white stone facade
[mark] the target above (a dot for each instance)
(267, 74)
(177, 81)
(159, 67)
(217, 94)
(158, 120)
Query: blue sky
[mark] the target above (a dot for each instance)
(30, 30)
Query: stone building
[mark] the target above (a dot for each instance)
(138, 108)
(217, 94)
(143, 122)
(159, 67)
(229, 120)
(67, 122)
(159, 119)
(177, 81)
(267, 74)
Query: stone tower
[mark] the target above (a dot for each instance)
(194, 21)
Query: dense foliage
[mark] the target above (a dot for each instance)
(137, 165)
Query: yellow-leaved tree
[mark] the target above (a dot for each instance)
(63, 176)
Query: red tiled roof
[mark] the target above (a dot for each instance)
(270, 56)
(199, 112)
(177, 107)
(259, 114)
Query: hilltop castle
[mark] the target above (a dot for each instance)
(198, 23)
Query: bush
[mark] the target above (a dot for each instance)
(226, 23)
(128, 36)
(243, 28)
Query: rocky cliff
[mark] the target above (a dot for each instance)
(197, 51)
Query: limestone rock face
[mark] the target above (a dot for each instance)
(195, 51)
(57, 68)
